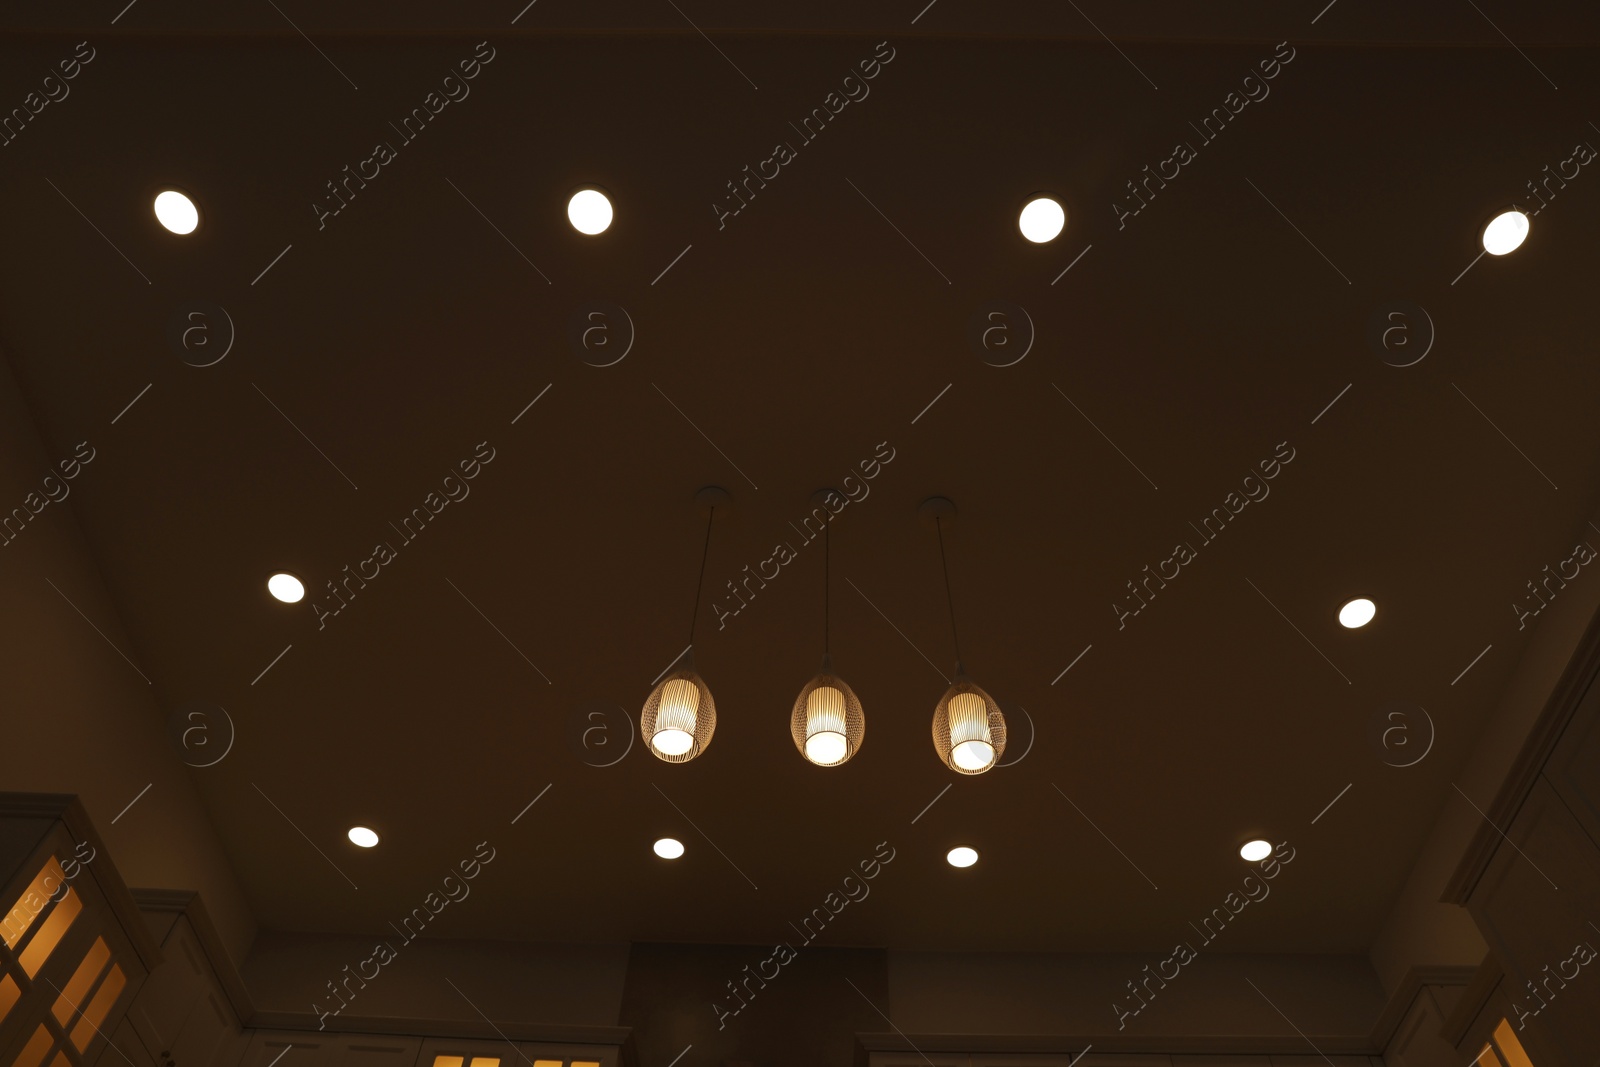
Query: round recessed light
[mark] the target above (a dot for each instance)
(1042, 219)
(176, 212)
(589, 211)
(668, 848)
(286, 587)
(1255, 850)
(1357, 613)
(360, 835)
(1505, 232)
(961, 856)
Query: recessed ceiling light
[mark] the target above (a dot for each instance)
(1041, 220)
(1357, 613)
(1505, 233)
(961, 856)
(669, 848)
(589, 211)
(176, 212)
(286, 587)
(1255, 850)
(360, 835)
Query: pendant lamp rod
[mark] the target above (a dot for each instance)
(938, 524)
(827, 545)
(701, 581)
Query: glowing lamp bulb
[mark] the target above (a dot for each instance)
(675, 719)
(825, 737)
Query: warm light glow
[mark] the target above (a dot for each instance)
(1357, 613)
(176, 212)
(825, 738)
(362, 836)
(669, 848)
(962, 856)
(1041, 220)
(1505, 233)
(971, 746)
(1510, 1046)
(286, 587)
(1255, 850)
(589, 211)
(675, 718)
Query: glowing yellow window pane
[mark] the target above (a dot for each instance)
(547, 1063)
(1510, 1048)
(34, 1051)
(448, 1061)
(27, 907)
(585, 1063)
(94, 961)
(486, 1061)
(61, 1060)
(8, 996)
(95, 1012)
(50, 933)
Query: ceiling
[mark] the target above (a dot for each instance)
(772, 355)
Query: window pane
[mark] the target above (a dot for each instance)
(1511, 1049)
(98, 1008)
(50, 933)
(27, 907)
(71, 997)
(33, 1052)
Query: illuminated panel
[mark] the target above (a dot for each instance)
(50, 933)
(485, 1061)
(585, 1063)
(8, 995)
(447, 1061)
(34, 1051)
(547, 1063)
(82, 980)
(61, 1060)
(1511, 1049)
(95, 1012)
(27, 907)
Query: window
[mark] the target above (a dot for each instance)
(82, 992)
(1503, 1049)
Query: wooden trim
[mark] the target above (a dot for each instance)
(1292, 1045)
(1477, 994)
(552, 1033)
(1406, 993)
(1568, 693)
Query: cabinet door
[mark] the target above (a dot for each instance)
(206, 1033)
(1574, 766)
(289, 1048)
(172, 993)
(373, 1051)
(123, 1047)
(1533, 905)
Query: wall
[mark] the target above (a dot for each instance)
(509, 981)
(74, 703)
(1420, 929)
(807, 1016)
(1011, 993)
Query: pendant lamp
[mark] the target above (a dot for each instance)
(969, 733)
(679, 715)
(827, 721)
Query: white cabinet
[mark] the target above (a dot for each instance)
(124, 1048)
(182, 1015)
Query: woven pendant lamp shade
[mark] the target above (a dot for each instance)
(827, 723)
(679, 717)
(968, 730)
